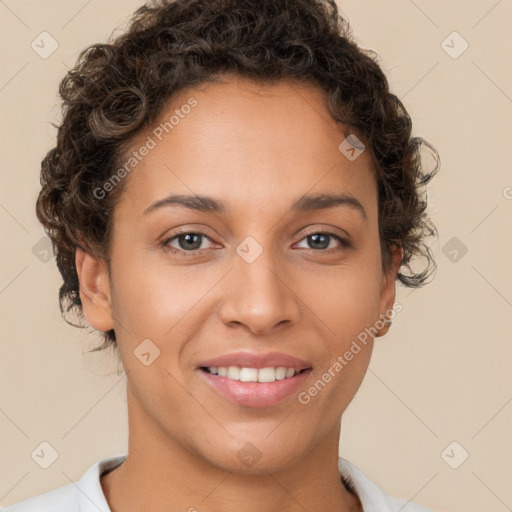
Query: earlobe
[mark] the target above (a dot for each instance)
(94, 290)
(387, 297)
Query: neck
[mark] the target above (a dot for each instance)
(159, 473)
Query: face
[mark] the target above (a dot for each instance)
(258, 274)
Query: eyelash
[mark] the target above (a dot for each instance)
(345, 244)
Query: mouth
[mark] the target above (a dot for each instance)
(252, 379)
(255, 387)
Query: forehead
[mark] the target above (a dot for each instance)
(254, 145)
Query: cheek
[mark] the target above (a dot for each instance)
(346, 299)
(149, 297)
(159, 309)
(347, 302)
(349, 310)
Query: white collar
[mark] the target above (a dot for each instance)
(373, 499)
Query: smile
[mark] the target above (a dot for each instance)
(262, 387)
(269, 374)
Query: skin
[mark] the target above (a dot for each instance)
(257, 148)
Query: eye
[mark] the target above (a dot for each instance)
(186, 242)
(192, 242)
(320, 241)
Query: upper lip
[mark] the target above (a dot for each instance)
(253, 360)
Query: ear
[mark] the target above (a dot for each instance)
(94, 290)
(387, 292)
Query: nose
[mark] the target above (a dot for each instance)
(259, 295)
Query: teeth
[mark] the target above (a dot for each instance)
(280, 373)
(247, 374)
(269, 374)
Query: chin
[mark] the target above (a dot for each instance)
(257, 457)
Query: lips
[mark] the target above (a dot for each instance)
(255, 394)
(253, 360)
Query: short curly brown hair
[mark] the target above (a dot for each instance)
(116, 90)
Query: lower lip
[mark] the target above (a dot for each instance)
(256, 394)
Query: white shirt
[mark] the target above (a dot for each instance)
(86, 495)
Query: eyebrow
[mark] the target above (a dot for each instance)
(307, 202)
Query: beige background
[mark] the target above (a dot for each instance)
(442, 374)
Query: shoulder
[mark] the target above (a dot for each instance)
(372, 497)
(84, 495)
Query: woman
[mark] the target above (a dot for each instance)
(233, 194)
